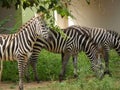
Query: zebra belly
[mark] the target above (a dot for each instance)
(8, 58)
(7, 55)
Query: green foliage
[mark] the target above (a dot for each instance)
(88, 1)
(10, 71)
(49, 66)
(2, 23)
(92, 84)
(13, 87)
(45, 6)
(7, 3)
(12, 29)
(18, 22)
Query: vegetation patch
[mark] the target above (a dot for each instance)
(49, 66)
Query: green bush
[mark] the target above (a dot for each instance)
(49, 66)
(10, 71)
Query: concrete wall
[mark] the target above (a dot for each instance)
(27, 14)
(100, 13)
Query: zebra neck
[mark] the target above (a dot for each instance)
(27, 39)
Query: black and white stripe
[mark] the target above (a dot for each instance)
(19, 46)
(105, 39)
(69, 46)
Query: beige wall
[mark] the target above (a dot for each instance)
(62, 22)
(100, 13)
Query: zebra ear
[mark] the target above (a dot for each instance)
(36, 15)
(39, 14)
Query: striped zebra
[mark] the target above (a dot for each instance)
(19, 46)
(70, 46)
(105, 39)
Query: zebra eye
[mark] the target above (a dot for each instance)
(42, 25)
(45, 36)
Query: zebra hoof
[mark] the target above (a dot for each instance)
(38, 80)
(60, 78)
(100, 75)
(108, 73)
(20, 88)
(27, 79)
(75, 75)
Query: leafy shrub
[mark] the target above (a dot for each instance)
(49, 66)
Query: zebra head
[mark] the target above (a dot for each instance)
(117, 43)
(115, 40)
(41, 28)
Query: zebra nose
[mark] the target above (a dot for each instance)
(45, 36)
(48, 38)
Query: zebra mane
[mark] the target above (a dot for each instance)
(79, 29)
(27, 23)
(114, 33)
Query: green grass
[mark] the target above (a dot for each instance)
(49, 66)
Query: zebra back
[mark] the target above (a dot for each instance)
(75, 42)
(114, 40)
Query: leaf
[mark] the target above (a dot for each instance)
(51, 6)
(42, 9)
(88, 1)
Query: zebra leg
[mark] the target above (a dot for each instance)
(33, 63)
(65, 58)
(106, 59)
(1, 69)
(34, 66)
(75, 65)
(33, 60)
(97, 66)
(27, 72)
(22, 62)
(20, 69)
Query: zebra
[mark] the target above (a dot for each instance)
(105, 39)
(19, 46)
(74, 42)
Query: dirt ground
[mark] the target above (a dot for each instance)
(27, 86)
